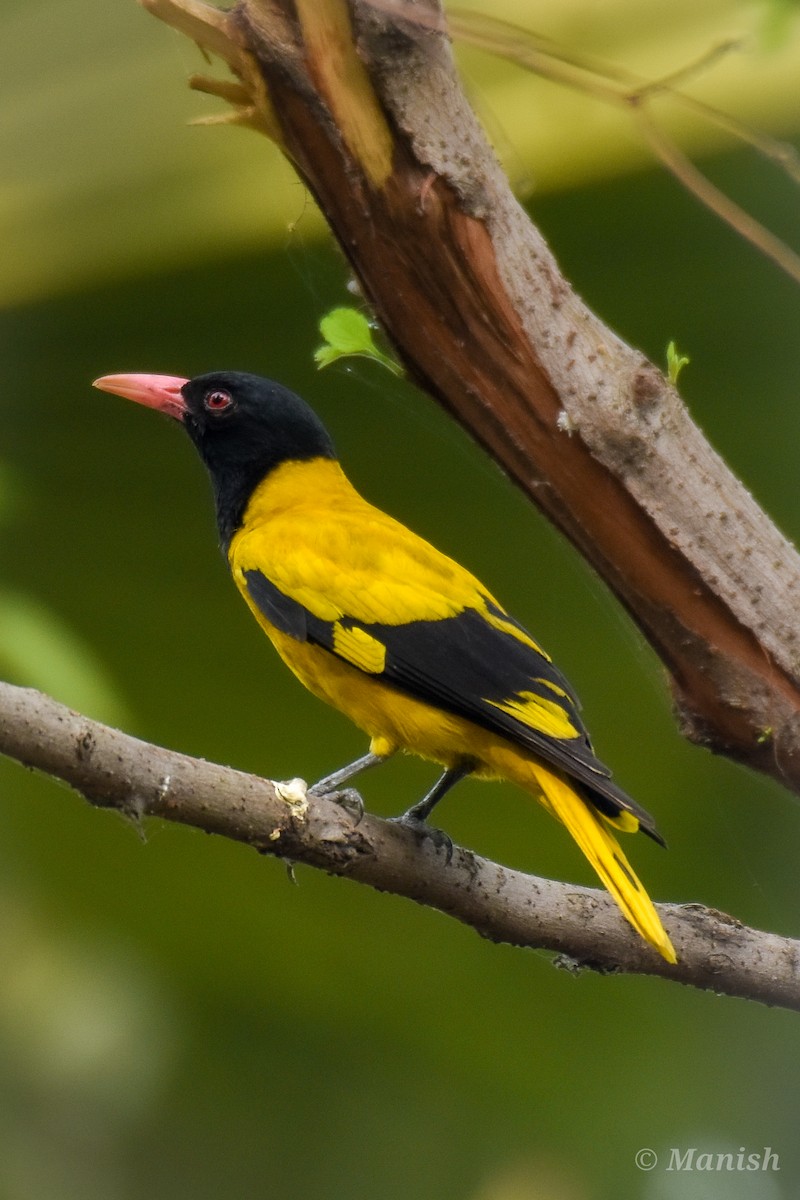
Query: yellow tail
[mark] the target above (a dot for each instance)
(603, 851)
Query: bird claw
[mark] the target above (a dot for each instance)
(347, 798)
(421, 829)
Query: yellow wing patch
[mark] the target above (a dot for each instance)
(505, 625)
(358, 647)
(559, 691)
(625, 821)
(547, 716)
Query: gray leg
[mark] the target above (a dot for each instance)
(331, 787)
(416, 817)
(332, 782)
(420, 812)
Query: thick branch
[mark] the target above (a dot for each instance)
(114, 770)
(364, 99)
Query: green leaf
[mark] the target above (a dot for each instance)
(675, 362)
(347, 334)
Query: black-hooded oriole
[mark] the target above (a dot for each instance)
(380, 624)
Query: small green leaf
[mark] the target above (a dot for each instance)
(675, 362)
(348, 333)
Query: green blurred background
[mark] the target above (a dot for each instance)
(177, 1019)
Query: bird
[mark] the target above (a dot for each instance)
(380, 624)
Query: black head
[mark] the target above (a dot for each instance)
(242, 422)
(242, 425)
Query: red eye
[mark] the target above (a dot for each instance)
(218, 402)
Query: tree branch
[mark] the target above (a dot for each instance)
(113, 770)
(363, 97)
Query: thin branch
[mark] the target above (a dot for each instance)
(114, 770)
(619, 87)
(684, 170)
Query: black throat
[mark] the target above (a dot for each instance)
(233, 485)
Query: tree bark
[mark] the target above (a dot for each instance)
(364, 99)
(583, 926)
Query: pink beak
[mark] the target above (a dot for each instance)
(162, 392)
